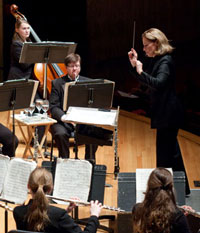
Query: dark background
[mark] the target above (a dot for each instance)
(103, 30)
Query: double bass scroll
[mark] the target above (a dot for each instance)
(54, 70)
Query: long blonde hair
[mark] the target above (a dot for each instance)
(163, 45)
(155, 213)
(40, 183)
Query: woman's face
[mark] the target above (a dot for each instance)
(23, 31)
(149, 47)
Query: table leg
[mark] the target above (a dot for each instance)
(27, 141)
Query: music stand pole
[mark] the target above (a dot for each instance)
(6, 220)
(12, 104)
(46, 59)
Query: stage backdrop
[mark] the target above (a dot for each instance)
(103, 30)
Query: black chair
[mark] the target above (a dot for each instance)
(71, 141)
(87, 134)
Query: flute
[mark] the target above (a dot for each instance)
(84, 203)
(195, 214)
(6, 207)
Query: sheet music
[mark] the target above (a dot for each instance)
(91, 116)
(4, 161)
(72, 179)
(142, 176)
(16, 180)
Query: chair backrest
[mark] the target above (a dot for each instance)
(20, 231)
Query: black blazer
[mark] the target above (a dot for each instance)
(57, 95)
(166, 110)
(18, 70)
(60, 221)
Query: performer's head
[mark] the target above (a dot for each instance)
(22, 30)
(159, 201)
(73, 64)
(155, 43)
(160, 180)
(40, 183)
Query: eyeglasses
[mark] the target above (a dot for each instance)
(146, 45)
(73, 66)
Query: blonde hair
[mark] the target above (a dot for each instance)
(16, 35)
(163, 45)
(40, 183)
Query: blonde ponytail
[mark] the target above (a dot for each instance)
(40, 183)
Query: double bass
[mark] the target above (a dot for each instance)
(54, 70)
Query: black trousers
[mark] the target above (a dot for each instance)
(168, 152)
(6, 139)
(61, 132)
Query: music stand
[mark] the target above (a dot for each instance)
(16, 94)
(46, 52)
(94, 93)
(88, 93)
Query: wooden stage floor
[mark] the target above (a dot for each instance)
(136, 149)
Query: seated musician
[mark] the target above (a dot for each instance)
(6, 139)
(61, 130)
(39, 216)
(159, 212)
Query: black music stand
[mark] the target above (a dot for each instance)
(46, 52)
(16, 94)
(12, 95)
(93, 93)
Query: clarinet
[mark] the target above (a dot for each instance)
(116, 171)
(35, 146)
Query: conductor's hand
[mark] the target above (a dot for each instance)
(95, 208)
(132, 55)
(139, 67)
